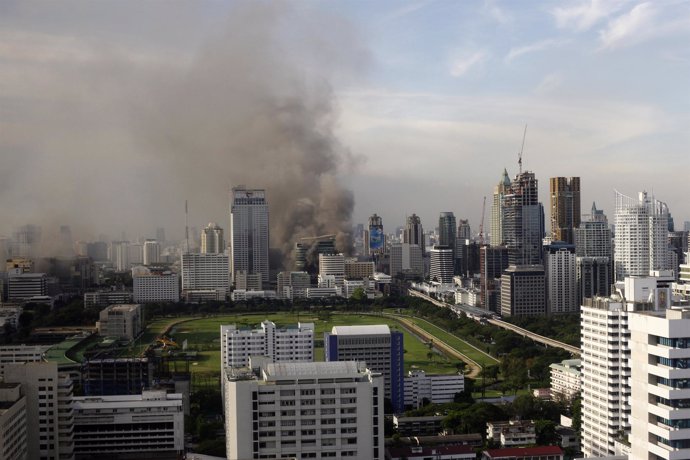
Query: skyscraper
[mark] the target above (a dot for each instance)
(523, 221)
(565, 207)
(446, 229)
(212, 241)
(594, 250)
(441, 264)
(497, 209)
(641, 239)
(413, 232)
(561, 278)
(374, 239)
(152, 252)
(249, 232)
(464, 231)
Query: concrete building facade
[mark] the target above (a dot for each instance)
(565, 208)
(523, 291)
(249, 232)
(125, 322)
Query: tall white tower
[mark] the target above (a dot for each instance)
(641, 239)
(249, 232)
(152, 252)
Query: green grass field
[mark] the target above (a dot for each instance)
(455, 342)
(203, 335)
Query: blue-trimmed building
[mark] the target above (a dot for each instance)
(379, 347)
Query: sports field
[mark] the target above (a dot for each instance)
(203, 335)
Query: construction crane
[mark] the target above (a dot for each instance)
(481, 224)
(310, 238)
(522, 148)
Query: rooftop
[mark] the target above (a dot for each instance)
(290, 369)
(378, 329)
(524, 451)
(425, 452)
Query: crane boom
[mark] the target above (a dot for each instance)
(524, 134)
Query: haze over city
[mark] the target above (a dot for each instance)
(114, 113)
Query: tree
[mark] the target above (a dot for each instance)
(546, 432)
(430, 356)
(358, 295)
(460, 366)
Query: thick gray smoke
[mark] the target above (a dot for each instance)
(125, 143)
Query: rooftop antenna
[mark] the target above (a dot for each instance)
(522, 148)
(186, 225)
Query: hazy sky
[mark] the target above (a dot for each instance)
(109, 110)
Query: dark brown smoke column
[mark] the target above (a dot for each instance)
(256, 108)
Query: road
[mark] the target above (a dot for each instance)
(502, 324)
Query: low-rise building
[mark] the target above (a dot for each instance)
(422, 388)
(427, 425)
(116, 376)
(145, 426)
(524, 453)
(566, 379)
(23, 286)
(512, 433)
(434, 453)
(240, 295)
(124, 322)
(105, 298)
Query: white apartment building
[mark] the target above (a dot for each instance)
(289, 343)
(48, 408)
(13, 440)
(332, 265)
(304, 410)
(421, 388)
(124, 322)
(566, 378)
(441, 264)
(155, 286)
(605, 373)
(22, 286)
(145, 426)
(660, 384)
(606, 360)
(641, 238)
(206, 271)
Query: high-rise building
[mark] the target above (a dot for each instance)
(500, 191)
(678, 244)
(379, 347)
(304, 410)
(493, 260)
(212, 241)
(606, 361)
(594, 250)
(464, 231)
(447, 230)
(97, 251)
(641, 239)
(249, 234)
(413, 232)
(25, 241)
(23, 286)
(206, 272)
(523, 221)
(374, 238)
(523, 291)
(48, 408)
(561, 278)
(119, 253)
(660, 353)
(152, 252)
(13, 437)
(152, 285)
(332, 265)
(441, 264)
(406, 260)
(565, 208)
(160, 235)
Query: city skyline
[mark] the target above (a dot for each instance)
(427, 96)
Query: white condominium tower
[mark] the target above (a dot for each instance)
(249, 232)
(304, 410)
(212, 241)
(660, 384)
(641, 239)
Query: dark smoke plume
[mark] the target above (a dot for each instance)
(254, 106)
